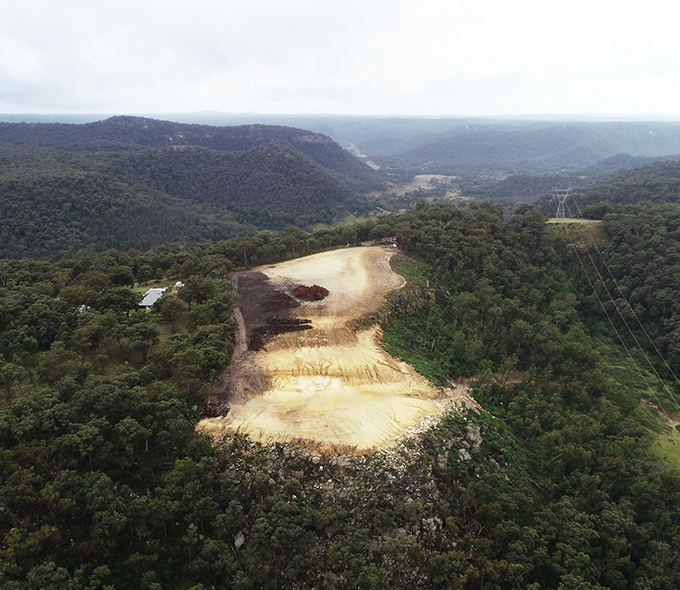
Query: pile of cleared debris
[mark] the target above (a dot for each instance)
(313, 293)
(214, 408)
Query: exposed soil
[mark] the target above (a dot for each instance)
(311, 380)
(264, 308)
(261, 300)
(258, 337)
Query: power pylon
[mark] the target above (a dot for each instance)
(560, 196)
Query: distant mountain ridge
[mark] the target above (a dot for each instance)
(401, 145)
(515, 145)
(533, 148)
(658, 182)
(124, 133)
(136, 182)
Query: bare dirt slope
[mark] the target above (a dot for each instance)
(326, 387)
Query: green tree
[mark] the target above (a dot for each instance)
(122, 276)
(132, 435)
(171, 309)
(145, 273)
(143, 336)
(11, 375)
(75, 295)
(198, 289)
(120, 299)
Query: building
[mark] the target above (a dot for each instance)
(151, 296)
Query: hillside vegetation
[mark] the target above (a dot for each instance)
(658, 182)
(393, 135)
(52, 200)
(132, 182)
(134, 133)
(531, 147)
(556, 485)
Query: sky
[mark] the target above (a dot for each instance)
(368, 57)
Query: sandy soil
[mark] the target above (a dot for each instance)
(327, 388)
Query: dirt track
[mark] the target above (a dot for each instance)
(327, 387)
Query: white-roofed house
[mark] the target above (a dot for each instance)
(150, 297)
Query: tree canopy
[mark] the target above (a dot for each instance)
(558, 483)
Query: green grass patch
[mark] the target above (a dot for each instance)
(657, 400)
(586, 233)
(396, 345)
(412, 270)
(666, 446)
(144, 287)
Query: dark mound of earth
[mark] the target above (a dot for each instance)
(260, 336)
(260, 299)
(313, 293)
(266, 310)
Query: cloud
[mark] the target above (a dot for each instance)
(364, 57)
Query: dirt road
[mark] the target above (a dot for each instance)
(327, 387)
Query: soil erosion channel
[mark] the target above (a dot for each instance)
(300, 374)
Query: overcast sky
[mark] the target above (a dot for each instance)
(421, 57)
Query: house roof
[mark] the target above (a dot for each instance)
(151, 296)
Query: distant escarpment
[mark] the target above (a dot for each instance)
(126, 133)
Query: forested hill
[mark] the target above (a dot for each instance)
(521, 148)
(658, 182)
(568, 480)
(134, 133)
(52, 200)
(589, 181)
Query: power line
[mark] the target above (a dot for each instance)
(616, 331)
(637, 319)
(630, 331)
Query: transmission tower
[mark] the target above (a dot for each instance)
(560, 196)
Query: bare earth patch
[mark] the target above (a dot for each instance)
(327, 388)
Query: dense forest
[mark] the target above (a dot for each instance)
(133, 182)
(566, 480)
(51, 200)
(135, 133)
(495, 159)
(593, 182)
(658, 183)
